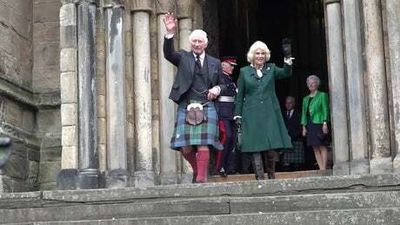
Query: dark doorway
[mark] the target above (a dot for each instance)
(236, 24)
(233, 25)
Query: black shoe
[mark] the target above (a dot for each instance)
(271, 175)
(223, 173)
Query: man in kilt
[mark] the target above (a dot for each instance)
(197, 82)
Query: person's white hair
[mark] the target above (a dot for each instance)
(313, 77)
(254, 47)
(198, 34)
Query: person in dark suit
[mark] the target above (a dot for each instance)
(197, 84)
(315, 118)
(225, 108)
(295, 157)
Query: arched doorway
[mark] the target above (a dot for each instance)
(236, 24)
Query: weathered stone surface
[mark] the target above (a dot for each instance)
(69, 136)
(143, 104)
(303, 201)
(250, 188)
(387, 216)
(49, 171)
(17, 165)
(337, 89)
(355, 85)
(69, 114)
(392, 13)
(87, 115)
(44, 126)
(116, 104)
(46, 11)
(69, 88)
(46, 80)
(69, 157)
(375, 74)
(68, 59)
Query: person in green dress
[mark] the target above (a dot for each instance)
(256, 104)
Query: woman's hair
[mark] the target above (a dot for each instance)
(198, 34)
(254, 47)
(313, 77)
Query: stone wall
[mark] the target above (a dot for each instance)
(16, 44)
(46, 87)
(29, 92)
(17, 107)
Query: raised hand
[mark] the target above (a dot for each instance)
(170, 22)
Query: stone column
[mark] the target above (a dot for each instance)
(168, 171)
(101, 91)
(67, 178)
(355, 88)
(87, 129)
(185, 13)
(130, 92)
(393, 24)
(117, 175)
(377, 89)
(337, 87)
(144, 174)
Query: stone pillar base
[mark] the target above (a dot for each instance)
(168, 178)
(187, 178)
(89, 179)
(359, 167)
(341, 168)
(68, 179)
(118, 178)
(143, 179)
(396, 164)
(381, 165)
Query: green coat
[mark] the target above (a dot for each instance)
(263, 127)
(319, 108)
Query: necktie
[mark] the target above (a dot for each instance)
(288, 114)
(198, 62)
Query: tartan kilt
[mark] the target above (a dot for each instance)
(206, 133)
(295, 154)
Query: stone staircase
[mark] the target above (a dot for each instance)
(372, 199)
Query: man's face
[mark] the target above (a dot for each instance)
(198, 45)
(227, 68)
(289, 104)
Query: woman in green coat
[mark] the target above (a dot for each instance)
(263, 128)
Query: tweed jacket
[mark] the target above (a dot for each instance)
(185, 63)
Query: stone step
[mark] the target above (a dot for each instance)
(205, 206)
(278, 175)
(232, 198)
(381, 216)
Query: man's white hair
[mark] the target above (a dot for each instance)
(201, 34)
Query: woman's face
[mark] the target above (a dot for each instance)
(313, 85)
(259, 57)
